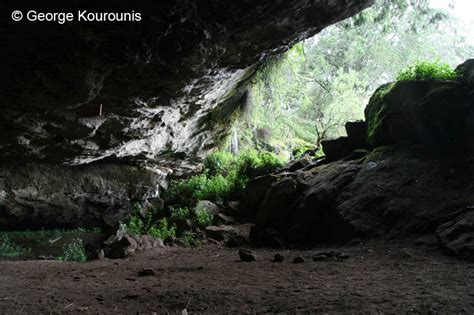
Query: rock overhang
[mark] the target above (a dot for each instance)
(154, 90)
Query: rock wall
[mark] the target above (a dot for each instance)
(42, 196)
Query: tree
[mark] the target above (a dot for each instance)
(307, 94)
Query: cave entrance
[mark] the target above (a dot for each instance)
(306, 95)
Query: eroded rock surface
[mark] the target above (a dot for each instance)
(160, 89)
(41, 196)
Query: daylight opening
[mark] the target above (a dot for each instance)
(306, 95)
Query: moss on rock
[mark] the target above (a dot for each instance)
(375, 114)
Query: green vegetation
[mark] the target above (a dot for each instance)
(203, 218)
(9, 249)
(224, 175)
(376, 112)
(74, 251)
(190, 240)
(426, 70)
(162, 230)
(307, 94)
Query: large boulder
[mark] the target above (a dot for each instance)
(466, 70)
(277, 202)
(336, 149)
(457, 235)
(427, 112)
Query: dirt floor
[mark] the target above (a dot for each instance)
(377, 277)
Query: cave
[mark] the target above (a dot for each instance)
(136, 178)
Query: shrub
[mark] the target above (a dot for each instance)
(137, 226)
(222, 176)
(427, 70)
(219, 162)
(9, 249)
(203, 218)
(162, 230)
(190, 240)
(74, 251)
(180, 213)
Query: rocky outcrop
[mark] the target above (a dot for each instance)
(457, 236)
(343, 146)
(421, 183)
(395, 191)
(466, 70)
(42, 196)
(428, 112)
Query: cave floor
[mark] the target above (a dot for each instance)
(398, 277)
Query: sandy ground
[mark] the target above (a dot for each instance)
(377, 278)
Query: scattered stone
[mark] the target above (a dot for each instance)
(342, 256)
(121, 245)
(337, 148)
(146, 272)
(219, 233)
(296, 165)
(320, 258)
(298, 260)
(209, 206)
(171, 240)
(247, 255)
(278, 258)
(233, 208)
(231, 235)
(221, 218)
(457, 235)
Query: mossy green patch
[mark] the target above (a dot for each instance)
(376, 112)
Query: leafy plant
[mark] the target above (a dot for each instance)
(74, 251)
(139, 226)
(223, 175)
(135, 226)
(427, 70)
(9, 249)
(180, 213)
(190, 240)
(162, 230)
(203, 218)
(219, 162)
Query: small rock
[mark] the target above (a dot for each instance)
(223, 218)
(320, 258)
(342, 256)
(298, 260)
(146, 272)
(247, 255)
(278, 258)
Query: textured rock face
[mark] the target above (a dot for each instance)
(40, 196)
(159, 89)
(429, 112)
(394, 191)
